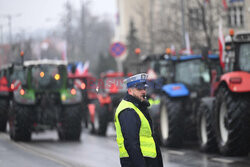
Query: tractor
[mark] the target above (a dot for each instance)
(81, 81)
(110, 90)
(187, 80)
(224, 122)
(9, 73)
(46, 100)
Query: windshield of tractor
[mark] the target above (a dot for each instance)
(244, 57)
(161, 67)
(18, 74)
(46, 77)
(194, 72)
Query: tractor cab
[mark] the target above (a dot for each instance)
(195, 72)
(237, 52)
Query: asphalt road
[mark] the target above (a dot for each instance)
(45, 150)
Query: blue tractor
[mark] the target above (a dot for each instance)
(187, 80)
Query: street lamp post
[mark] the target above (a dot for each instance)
(22, 58)
(10, 17)
(183, 22)
(1, 28)
(137, 52)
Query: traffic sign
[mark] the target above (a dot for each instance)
(117, 49)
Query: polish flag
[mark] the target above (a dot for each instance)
(224, 3)
(187, 50)
(82, 68)
(206, 1)
(85, 67)
(221, 45)
(173, 51)
(79, 68)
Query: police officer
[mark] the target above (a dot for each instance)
(133, 124)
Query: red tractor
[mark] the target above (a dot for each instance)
(9, 74)
(110, 92)
(224, 120)
(4, 97)
(82, 81)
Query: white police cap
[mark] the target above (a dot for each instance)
(138, 81)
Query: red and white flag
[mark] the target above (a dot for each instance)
(224, 3)
(85, 67)
(173, 51)
(221, 45)
(206, 2)
(187, 50)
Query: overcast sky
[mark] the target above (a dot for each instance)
(30, 15)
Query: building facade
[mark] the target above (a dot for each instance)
(160, 24)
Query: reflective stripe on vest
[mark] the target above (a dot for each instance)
(147, 143)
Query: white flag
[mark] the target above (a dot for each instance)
(188, 48)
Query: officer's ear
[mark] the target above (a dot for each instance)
(130, 91)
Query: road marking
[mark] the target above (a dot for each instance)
(228, 161)
(48, 156)
(175, 152)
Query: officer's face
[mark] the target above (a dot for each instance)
(138, 93)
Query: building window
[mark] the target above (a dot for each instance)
(241, 15)
(236, 16)
(195, 18)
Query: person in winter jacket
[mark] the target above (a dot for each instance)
(135, 140)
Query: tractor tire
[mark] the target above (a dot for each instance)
(205, 129)
(190, 123)
(171, 122)
(71, 123)
(20, 124)
(101, 119)
(154, 112)
(4, 107)
(232, 122)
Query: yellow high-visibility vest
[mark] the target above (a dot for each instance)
(154, 102)
(147, 143)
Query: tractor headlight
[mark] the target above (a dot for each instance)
(71, 96)
(23, 96)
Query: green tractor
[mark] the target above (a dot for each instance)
(45, 100)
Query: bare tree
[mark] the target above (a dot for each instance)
(67, 21)
(87, 35)
(162, 25)
(209, 15)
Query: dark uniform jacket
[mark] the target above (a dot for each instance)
(130, 126)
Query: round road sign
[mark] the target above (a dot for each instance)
(117, 49)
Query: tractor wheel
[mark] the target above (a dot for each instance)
(71, 126)
(232, 122)
(171, 122)
(154, 112)
(190, 123)
(101, 119)
(20, 124)
(4, 106)
(205, 129)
